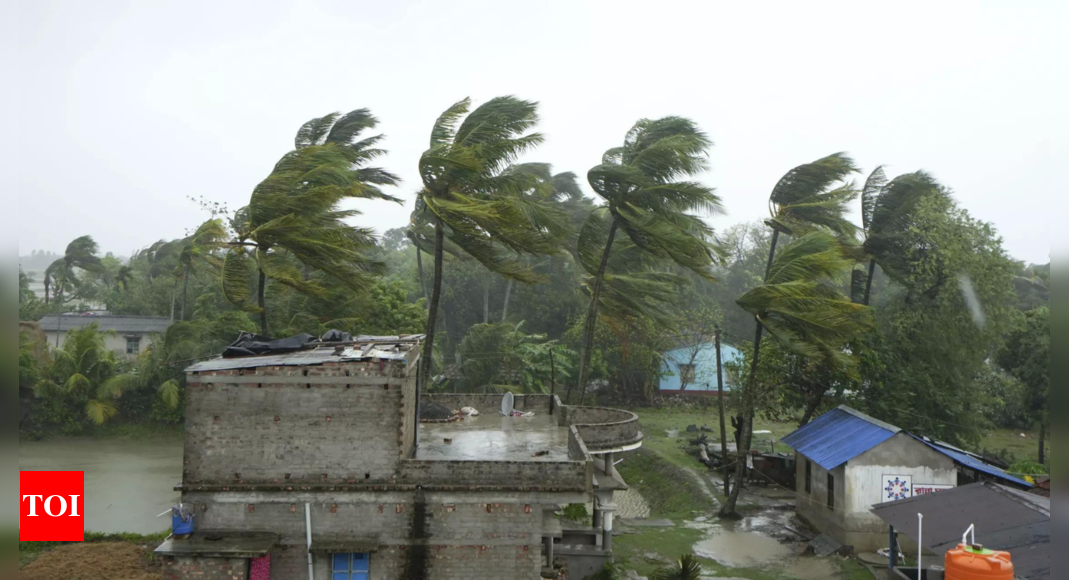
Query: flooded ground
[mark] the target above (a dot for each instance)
(128, 482)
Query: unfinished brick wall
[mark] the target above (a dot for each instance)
(328, 424)
(385, 517)
(175, 568)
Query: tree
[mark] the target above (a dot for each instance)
(25, 293)
(293, 219)
(199, 247)
(887, 215)
(62, 275)
(647, 200)
(1026, 355)
(803, 312)
(923, 369)
(84, 372)
(495, 356)
(469, 199)
(686, 568)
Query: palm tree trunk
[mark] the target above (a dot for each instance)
(174, 299)
(723, 419)
(432, 314)
(486, 297)
(508, 295)
(422, 280)
(262, 302)
(592, 314)
(185, 292)
(868, 283)
(1043, 443)
(746, 418)
(812, 403)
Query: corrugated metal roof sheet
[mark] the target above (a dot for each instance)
(1005, 519)
(975, 464)
(839, 436)
(111, 322)
(378, 347)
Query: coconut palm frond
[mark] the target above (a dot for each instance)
(99, 412)
(169, 393)
(813, 196)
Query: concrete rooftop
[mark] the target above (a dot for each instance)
(494, 437)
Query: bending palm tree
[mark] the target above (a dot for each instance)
(293, 217)
(886, 214)
(470, 201)
(648, 202)
(207, 239)
(803, 312)
(61, 275)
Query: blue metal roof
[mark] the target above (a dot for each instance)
(839, 436)
(975, 464)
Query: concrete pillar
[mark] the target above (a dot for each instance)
(597, 515)
(606, 541)
(549, 551)
(610, 469)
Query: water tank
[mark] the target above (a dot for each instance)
(976, 563)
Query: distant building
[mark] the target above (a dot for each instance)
(129, 335)
(848, 462)
(692, 369)
(314, 463)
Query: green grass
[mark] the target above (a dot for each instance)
(670, 493)
(656, 421)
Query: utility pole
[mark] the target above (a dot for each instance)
(723, 427)
(552, 379)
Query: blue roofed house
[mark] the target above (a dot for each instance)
(848, 462)
(692, 369)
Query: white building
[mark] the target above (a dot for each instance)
(126, 335)
(849, 462)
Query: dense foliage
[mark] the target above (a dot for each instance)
(915, 315)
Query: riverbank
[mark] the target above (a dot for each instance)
(129, 477)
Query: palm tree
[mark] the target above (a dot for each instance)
(207, 239)
(646, 199)
(293, 218)
(471, 202)
(686, 568)
(805, 312)
(61, 275)
(87, 372)
(887, 213)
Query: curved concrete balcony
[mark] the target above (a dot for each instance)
(603, 430)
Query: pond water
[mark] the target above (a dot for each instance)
(128, 482)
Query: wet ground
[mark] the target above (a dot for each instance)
(128, 482)
(494, 437)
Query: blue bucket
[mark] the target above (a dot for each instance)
(181, 526)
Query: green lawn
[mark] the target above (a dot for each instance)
(656, 421)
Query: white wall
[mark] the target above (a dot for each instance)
(115, 343)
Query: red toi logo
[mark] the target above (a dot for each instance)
(53, 506)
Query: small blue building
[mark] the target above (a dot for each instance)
(692, 369)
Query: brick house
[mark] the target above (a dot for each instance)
(316, 460)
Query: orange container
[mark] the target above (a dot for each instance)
(976, 563)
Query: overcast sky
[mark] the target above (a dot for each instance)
(127, 108)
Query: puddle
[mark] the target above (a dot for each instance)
(742, 549)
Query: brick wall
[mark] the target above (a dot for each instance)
(280, 424)
(206, 569)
